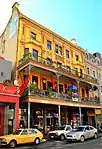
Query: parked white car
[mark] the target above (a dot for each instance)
(60, 132)
(82, 133)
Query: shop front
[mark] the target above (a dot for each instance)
(91, 117)
(98, 113)
(9, 108)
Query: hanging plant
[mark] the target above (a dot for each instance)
(69, 91)
(33, 87)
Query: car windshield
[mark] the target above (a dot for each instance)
(16, 132)
(79, 129)
(61, 128)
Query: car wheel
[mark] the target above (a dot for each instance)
(62, 137)
(37, 141)
(95, 135)
(82, 138)
(12, 144)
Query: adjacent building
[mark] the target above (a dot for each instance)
(5, 69)
(93, 65)
(9, 99)
(57, 88)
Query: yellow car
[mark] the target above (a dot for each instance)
(21, 136)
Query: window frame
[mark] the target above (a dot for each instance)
(31, 35)
(57, 48)
(67, 55)
(49, 45)
(77, 57)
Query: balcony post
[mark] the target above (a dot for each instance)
(28, 73)
(80, 112)
(59, 108)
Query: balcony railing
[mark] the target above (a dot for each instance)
(56, 66)
(61, 96)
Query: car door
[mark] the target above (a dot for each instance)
(67, 129)
(31, 135)
(92, 131)
(23, 138)
(87, 132)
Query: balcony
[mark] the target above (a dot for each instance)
(58, 69)
(45, 94)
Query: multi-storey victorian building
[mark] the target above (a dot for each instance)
(58, 91)
(93, 65)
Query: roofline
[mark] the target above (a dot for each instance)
(90, 63)
(51, 32)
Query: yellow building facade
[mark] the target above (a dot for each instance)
(58, 80)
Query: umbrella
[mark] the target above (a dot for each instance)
(73, 87)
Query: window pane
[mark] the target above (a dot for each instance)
(49, 44)
(32, 131)
(24, 132)
(49, 61)
(60, 50)
(67, 54)
(33, 35)
(56, 48)
(35, 55)
(26, 51)
(77, 57)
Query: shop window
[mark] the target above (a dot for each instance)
(60, 88)
(67, 54)
(60, 50)
(33, 35)
(49, 61)
(49, 44)
(35, 55)
(56, 48)
(77, 58)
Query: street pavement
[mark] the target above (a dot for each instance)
(89, 144)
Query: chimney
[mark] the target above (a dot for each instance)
(15, 6)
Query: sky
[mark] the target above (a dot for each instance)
(79, 19)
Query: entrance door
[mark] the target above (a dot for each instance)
(1, 120)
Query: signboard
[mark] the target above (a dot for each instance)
(8, 89)
(13, 26)
(97, 111)
(91, 113)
